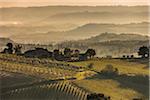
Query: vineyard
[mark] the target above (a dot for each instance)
(46, 73)
(54, 80)
(52, 91)
(44, 79)
(37, 61)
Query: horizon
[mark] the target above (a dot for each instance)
(77, 6)
(34, 3)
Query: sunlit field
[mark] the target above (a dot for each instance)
(132, 81)
(44, 78)
(124, 66)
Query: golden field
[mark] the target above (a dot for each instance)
(130, 82)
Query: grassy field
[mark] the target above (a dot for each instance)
(9, 79)
(121, 87)
(37, 79)
(131, 81)
(124, 66)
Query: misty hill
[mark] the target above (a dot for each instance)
(99, 17)
(70, 20)
(10, 30)
(94, 29)
(83, 32)
(118, 48)
(109, 38)
(110, 44)
(115, 37)
(73, 15)
(36, 13)
(115, 48)
(104, 44)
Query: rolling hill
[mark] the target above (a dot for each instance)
(56, 24)
(115, 37)
(98, 17)
(82, 32)
(31, 14)
(104, 44)
(109, 44)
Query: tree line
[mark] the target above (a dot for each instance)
(66, 55)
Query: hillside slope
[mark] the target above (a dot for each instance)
(83, 32)
(110, 44)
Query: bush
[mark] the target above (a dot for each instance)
(109, 69)
(90, 66)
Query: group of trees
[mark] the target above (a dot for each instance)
(10, 49)
(99, 96)
(69, 54)
(144, 52)
(75, 53)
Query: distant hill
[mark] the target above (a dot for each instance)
(33, 14)
(104, 37)
(104, 44)
(49, 23)
(84, 17)
(10, 30)
(95, 29)
(83, 32)
(110, 44)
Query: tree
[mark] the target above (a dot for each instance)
(123, 56)
(76, 53)
(18, 49)
(144, 52)
(56, 53)
(90, 53)
(67, 52)
(9, 48)
(91, 65)
(132, 56)
(9, 45)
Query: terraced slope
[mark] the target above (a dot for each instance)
(46, 73)
(45, 69)
(39, 62)
(49, 82)
(51, 91)
(42, 87)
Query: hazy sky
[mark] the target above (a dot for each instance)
(14, 3)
